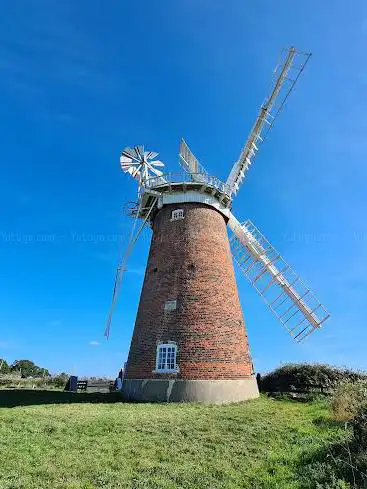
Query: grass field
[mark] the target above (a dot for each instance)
(259, 444)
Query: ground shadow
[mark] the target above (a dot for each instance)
(323, 422)
(25, 397)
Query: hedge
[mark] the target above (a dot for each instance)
(303, 377)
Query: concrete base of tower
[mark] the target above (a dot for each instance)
(206, 391)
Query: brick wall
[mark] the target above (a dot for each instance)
(190, 261)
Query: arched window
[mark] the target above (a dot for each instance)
(177, 214)
(166, 358)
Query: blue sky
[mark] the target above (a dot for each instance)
(81, 80)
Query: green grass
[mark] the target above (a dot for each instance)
(258, 444)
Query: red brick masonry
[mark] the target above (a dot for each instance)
(190, 261)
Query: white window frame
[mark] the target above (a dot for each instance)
(177, 214)
(167, 362)
(170, 305)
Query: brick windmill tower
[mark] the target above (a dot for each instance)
(190, 341)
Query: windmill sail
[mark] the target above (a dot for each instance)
(121, 269)
(190, 164)
(287, 72)
(286, 294)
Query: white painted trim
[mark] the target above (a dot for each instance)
(177, 214)
(193, 196)
(166, 370)
(170, 305)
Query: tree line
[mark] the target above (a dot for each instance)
(24, 368)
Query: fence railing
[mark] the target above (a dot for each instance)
(204, 178)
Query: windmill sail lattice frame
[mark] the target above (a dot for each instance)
(289, 68)
(286, 294)
(190, 163)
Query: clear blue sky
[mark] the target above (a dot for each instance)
(81, 80)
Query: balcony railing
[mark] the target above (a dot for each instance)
(204, 178)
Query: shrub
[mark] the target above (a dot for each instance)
(4, 367)
(359, 425)
(307, 377)
(342, 464)
(16, 381)
(349, 399)
(27, 368)
(59, 381)
(322, 473)
(10, 380)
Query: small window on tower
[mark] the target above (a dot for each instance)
(177, 214)
(170, 305)
(166, 358)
